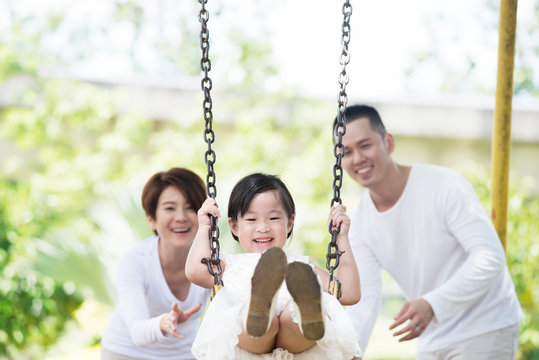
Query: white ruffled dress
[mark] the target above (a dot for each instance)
(217, 337)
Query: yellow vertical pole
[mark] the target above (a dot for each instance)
(501, 142)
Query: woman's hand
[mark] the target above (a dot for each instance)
(170, 321)
(209, 207)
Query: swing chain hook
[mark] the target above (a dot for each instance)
(209, 137)
(333, 253)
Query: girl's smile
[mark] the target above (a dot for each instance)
(265, 223)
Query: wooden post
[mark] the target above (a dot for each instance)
(501, 143)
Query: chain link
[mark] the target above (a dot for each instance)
(333, 253)
(209, 137)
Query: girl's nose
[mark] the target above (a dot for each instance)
(262, 226)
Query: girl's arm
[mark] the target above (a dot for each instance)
(195, 270)
(347, 272)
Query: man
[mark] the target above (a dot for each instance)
(424, 224)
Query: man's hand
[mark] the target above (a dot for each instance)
(419, 312)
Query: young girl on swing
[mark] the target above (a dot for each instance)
(255, 315)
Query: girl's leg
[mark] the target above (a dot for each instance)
(289, 336)
(263, 344)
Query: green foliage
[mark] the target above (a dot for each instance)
(523, 258)
(67, 259)
(522, 250)
(65, 141)
(33, 309)
(69, 147)
(73, 150)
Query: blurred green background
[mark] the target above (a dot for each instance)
(75, 149)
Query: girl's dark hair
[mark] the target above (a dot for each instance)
(187, 182)
(244, 191)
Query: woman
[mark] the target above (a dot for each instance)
(151, 320)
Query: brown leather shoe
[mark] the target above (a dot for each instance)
(267, 279)
(303, 285)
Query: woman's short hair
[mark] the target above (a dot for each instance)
(187, 182)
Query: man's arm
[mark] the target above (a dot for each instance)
(468, 222)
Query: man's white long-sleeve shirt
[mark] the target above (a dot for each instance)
(438, 244)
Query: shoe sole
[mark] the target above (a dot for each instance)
(303, 285)
(267, 278)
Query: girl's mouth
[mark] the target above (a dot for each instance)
(263, 240)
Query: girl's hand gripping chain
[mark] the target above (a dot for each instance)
(209, 207)
(338, 217)
(347, 272)
(196, 271)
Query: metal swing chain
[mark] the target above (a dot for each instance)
(340, 129)
(209, 156)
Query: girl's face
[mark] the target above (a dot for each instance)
(265, 224)
(176, 220)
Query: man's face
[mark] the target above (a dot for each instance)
(367, 156)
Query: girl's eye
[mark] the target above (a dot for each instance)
(366, 146)
(274, 218)
(251, 219)
(169, 208)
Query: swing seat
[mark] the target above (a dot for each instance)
(214, 290)
(335, 288)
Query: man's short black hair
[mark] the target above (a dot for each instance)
(356, 112)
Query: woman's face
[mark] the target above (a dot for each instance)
(175, 220)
